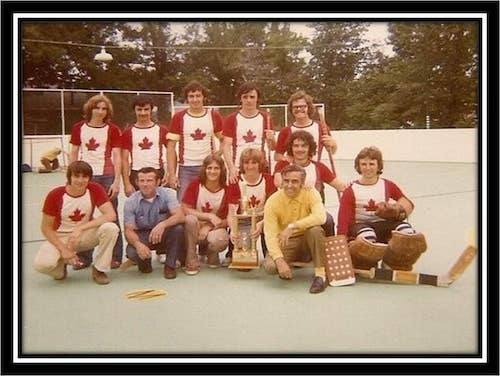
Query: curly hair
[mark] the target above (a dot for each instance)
(304, 136)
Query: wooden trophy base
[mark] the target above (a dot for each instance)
(244, 259)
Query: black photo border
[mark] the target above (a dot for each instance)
(12, 359)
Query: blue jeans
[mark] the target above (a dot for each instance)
(186, 175)
(171, 240)
(86, 256)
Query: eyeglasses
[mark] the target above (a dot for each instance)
(300, 107)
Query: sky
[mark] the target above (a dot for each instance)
(377, 33)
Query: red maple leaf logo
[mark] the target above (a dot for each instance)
(371, 205)
(92, 144)
(77, 215)
(254, 202)
(198, 135)
(145, 144)
(250, 137)
(206, 208)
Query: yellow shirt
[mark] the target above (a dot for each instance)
(306, 210)
(52, 154)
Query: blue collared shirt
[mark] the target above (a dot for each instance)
(143, 214)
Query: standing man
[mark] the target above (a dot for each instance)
(249, 127)
(194, 128)
(153, 220)
(69, 226)
(97, 141)
(292, 227)
(301, 106)
(142, 145)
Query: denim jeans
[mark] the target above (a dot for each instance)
(172, 241)
(86, 256)
(186, 175)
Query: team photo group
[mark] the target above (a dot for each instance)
(203, 190)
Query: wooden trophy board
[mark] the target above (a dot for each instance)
(245, 258)
(338, 265)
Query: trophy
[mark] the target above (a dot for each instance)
(245, 254)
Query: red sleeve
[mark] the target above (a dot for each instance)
(266, 116)
(325, 174)
(53, 202)
(127, 139)
(191, 193)
(233, 193)
(218, 121)
(163, 135)
(282, 138)
(229, 127)
(224, 207)
(347, 212)
(76, 133)
(270, 187)
(97, 194)
(115, 136)
(393, 191)
(176, 122)
(280, 165)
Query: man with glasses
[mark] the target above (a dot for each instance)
(301, 106)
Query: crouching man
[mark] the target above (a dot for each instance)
(373, 213)
(69, 226)
(292, 226)
(154, 220)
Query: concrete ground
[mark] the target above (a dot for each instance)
(222, 312)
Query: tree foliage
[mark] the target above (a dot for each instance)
(433, 71)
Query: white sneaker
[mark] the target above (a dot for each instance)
(227, 261)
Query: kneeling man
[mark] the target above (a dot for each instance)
(153, 219)
(69, 226)
(292, 226)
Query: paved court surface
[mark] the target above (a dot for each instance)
(222, 311)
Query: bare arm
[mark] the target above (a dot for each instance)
(73, 153)
(173, 180)
(114, 190)
(125, 161)
(227, 151)
(407, 205)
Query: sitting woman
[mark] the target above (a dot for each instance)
(205, 205)
(251, 191)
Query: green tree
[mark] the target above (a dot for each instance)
(438, 71)
(339, 54)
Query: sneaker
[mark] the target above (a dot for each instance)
(227, 261)
(99, 277)
(162, 258)
(191, 269)
(169, 273)
(319, 284)
(213, 261)
(115, 264)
